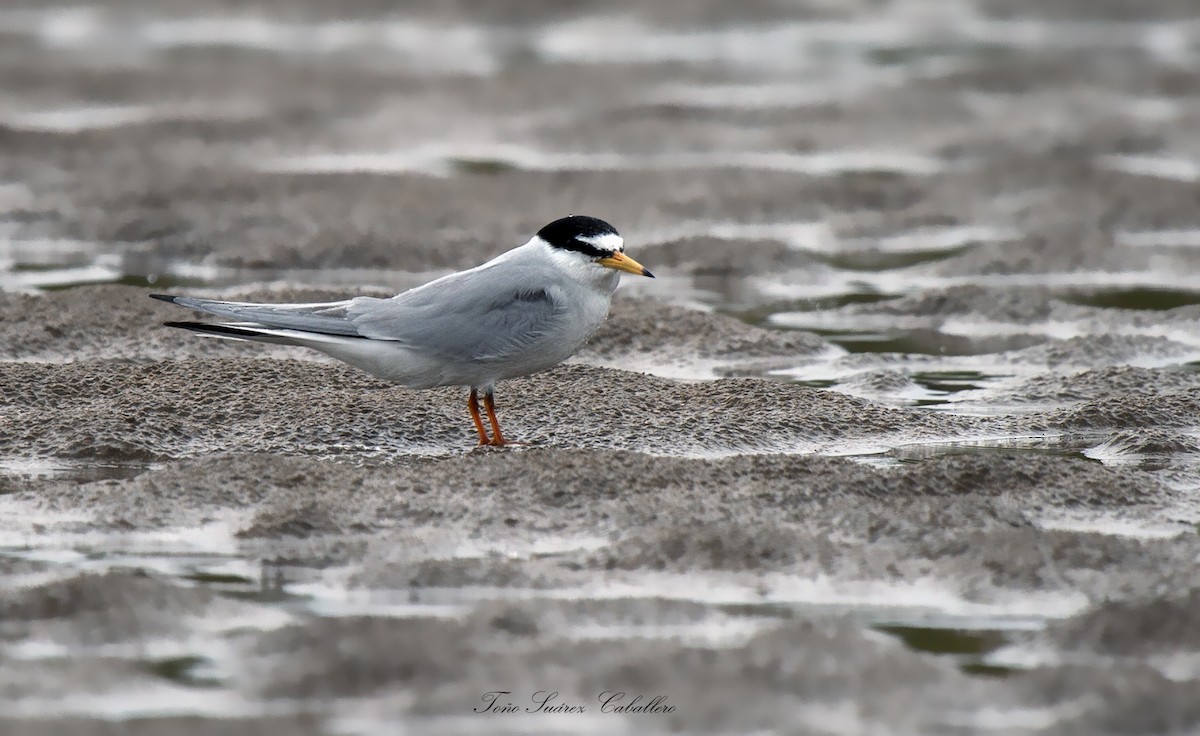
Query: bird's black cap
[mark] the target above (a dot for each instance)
(567, 233)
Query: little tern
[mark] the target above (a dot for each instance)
(525, 311)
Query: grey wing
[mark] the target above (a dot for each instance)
(484, 314)
(330, 318)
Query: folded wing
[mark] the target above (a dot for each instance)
(468, 316)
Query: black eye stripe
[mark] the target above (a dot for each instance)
(585, 248)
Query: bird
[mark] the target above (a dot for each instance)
(523, 312)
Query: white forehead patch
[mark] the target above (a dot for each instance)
(607, 241)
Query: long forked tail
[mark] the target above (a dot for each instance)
(310, 325)
(331, 318)
(325, 327)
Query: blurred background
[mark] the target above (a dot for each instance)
(985, 209)
(843, 149)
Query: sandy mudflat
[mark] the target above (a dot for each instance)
(903, 439)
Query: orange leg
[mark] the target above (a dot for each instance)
(489, 403)
(473, 407)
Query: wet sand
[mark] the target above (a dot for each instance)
(902, 440)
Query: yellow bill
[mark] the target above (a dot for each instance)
(622, 262)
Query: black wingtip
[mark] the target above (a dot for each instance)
(164, 297)
(212, 329)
